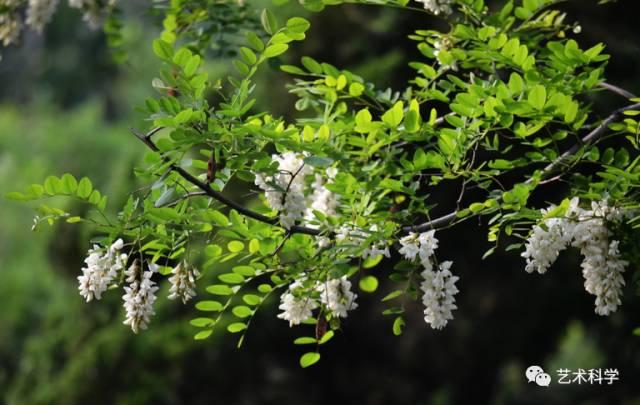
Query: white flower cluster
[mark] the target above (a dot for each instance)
(39, 13)
(296, 309)
(335, 295)
(139, 296)
(10, 28)
(102, 267)
(183, 282)
(94, 10)
(285, 190)
(602, 266)
(437, 7)
(438, 286)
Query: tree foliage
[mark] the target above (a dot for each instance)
(499, 106)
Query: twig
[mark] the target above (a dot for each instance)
(216, 194)
(615, 89)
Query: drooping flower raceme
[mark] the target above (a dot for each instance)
(438, 286)
(39, 13)
(183, 282)
(139, 296)
(437, 7)
(602, 265)
(297, 304)
(439, 290)
(284, 191)
(337, 296)
(102, 266)
(94, 11)
(296, 308)
(10, 28)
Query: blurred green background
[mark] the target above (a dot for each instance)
(66, 107)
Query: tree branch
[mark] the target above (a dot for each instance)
(615, 89)
(146, 139)
(591, 137)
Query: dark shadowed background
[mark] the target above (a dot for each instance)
(65, 107)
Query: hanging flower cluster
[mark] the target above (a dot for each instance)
(139, 296)
(183, 282)
(102, 267)
(335, 296)
(437, 7)
(284, 191)
(105, 267)
(39, 13)
(587, 230)
(438, 286)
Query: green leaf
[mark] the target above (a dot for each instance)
(392, 295)
(219, 289)
(274, 50)
(298, 25)
(213, 306)
(305, 340)
(248, 55)
(183, 116)
(202, 322)
(393, 117)
(218, 217)
(235, 246)
(236, 327)
(246, 271)
(251, 299)
(203, 334)
(192, 66)
(213, 250)
(311, 65)
(398, 324)
(372, 261)
(254, 41)
(269, 22)
(69, 184)
(516, 84)
(84, 188)
(52, 185)
(363, 119)
(231, 278)
(309, 359)
(411, 121)
(368, 284)
(242, 311)
(254, 246)
(318, 161)
(356, 89)
(162, 49)
(265, 288)
(537, 97)
(326, 337)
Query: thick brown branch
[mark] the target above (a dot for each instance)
(591, 137)
(216, 194)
